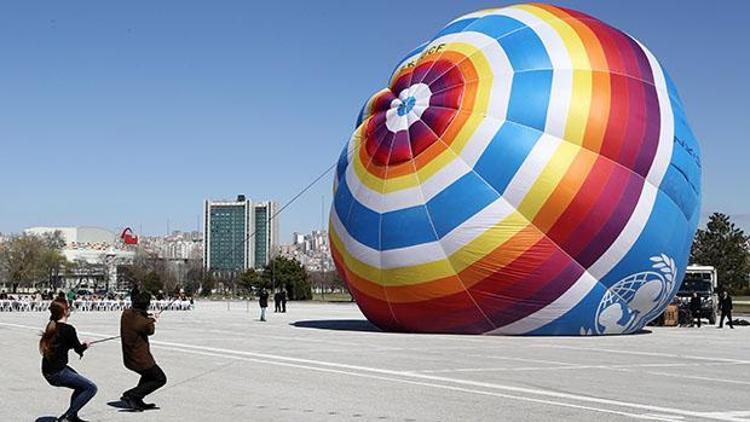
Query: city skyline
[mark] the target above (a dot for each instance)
(130, 115)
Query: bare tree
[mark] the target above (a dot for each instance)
(30, 261)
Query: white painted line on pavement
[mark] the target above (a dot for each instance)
(696, 377)
(423, 384)
(573, 366)
(632, 352)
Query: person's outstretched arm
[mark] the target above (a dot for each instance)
(78, 347)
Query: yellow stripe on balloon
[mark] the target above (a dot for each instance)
(461, 259)
(548, 179)
(580, 100)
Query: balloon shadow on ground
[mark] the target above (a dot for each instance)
(365, 325)
(338, 325)
(46, 419)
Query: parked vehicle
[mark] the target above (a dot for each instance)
(84, 292)
(702, 280)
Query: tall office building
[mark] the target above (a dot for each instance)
(227, 243)
(267, 232)
(238, 234)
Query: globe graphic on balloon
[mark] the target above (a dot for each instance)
(527, 171)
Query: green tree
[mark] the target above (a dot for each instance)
(53, 264)
(724, 246)
(207, 284)
(289, 274)
(153, 282)
(250, 280)
(193, 277)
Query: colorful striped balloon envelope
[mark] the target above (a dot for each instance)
(529, 170)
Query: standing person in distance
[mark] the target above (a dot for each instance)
(58, 338)
(277, 301)
(695, 309)
(136, 325)
(71, 297)
(283, 300)
(263, 302)
(725, 304)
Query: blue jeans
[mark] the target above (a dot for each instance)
(83, 389)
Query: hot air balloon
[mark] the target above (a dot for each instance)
(528, 171)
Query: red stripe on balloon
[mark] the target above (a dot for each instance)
(518, 289)
(614, 224)
(570, 221)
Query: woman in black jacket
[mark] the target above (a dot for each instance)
(58, 338)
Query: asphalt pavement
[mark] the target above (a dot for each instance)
(325, 362)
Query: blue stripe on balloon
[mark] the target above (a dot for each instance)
(459, 201)
(343, 162)
(682, 181)
(532, 80)
(529, 98)
(455, 27)
(505, 154)
(526, 51)
(361, 222)
(495, 26)
(406, 227)
(412, 226)
(447, 210)
(361, 114)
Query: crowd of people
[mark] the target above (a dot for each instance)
(40, 302)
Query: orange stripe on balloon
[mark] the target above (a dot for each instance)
(566, 190)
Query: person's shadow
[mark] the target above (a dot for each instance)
(119, 404)
(338, 324)
(47, 419)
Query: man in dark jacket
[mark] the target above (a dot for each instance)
(263, 302)
(136, 325)
(283, 300)
(725, 304)
(695, 309)
(277, 301)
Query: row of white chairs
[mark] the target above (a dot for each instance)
(7, 305)
(92, 305)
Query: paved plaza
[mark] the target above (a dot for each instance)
(324, 362)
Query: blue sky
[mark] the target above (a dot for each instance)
(132, 113)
